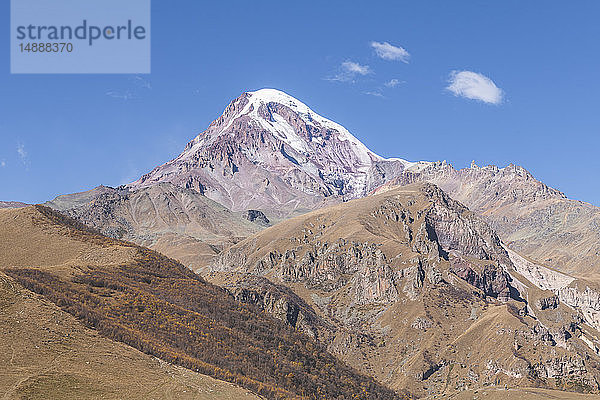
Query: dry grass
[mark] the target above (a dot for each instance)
(46, 353)
(144, 299)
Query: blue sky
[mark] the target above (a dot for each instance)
(66, 133)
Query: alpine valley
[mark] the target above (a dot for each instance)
(279, 254)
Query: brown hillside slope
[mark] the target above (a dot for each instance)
(520, 394)
(178, 222)
(45, 353)
(411, 287)
(137, 296)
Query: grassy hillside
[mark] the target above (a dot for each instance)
(46, 354)
(150, 302)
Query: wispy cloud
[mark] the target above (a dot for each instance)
(390, 52)
(3, 163)
(349, 70)
(142, 82)
(22, 153)
(137, 88)
(392, 83)
(379, 91)
(472, 85)
(352, 67)
(121, 94)
(375, 93)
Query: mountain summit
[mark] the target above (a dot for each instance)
(270, 151)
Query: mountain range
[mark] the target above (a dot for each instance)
(271, 153)
(399, 270)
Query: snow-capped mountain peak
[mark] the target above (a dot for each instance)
(266, 96)
(274, 122)
(270, 150)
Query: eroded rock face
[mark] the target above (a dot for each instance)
(577, 293)
(492, 279)
(398, 276)
(538, 221)
(587, 300)
(562, 368)
(279, 301)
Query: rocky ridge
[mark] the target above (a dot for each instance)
(530, 217)
(12, 204)
(405, 283)
(179, 222)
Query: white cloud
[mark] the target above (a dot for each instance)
(375, 93)
(355, 68)
(2, 163)
(474, 86)
(23, 155)
(123, 95)
(392, 83)
(21, 151)
(390, 52)
(349, 70)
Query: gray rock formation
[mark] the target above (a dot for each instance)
(279, 301)
(545, 303)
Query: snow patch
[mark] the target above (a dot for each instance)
(265, 96)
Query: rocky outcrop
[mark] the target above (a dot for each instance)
(586, 300)
(256, 216)
(492, 279)
(329, 266)
(567, 370)
(544, 303)
(421, 323)
(280, 302)
(538, 221)
(577, 293)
